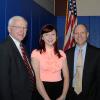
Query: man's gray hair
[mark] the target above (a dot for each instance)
(14, 18)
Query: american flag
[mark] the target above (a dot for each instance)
(71, 22)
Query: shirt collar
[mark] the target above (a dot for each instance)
(83, 47)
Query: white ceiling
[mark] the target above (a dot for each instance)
(88, 7)
(84, 7)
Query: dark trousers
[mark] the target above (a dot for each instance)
(73, 96)
(53, 89)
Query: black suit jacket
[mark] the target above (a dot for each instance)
(14, 79)
(91, 74)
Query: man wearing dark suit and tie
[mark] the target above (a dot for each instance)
(15, 73)
(88, 87)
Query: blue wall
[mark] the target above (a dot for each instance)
(37, 17)
(93, 24)
(34, 14)
(40, 17)
(2, 20)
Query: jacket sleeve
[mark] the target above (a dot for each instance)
(98, 78)
(5, 85)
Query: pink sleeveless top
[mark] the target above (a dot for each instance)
(50, 64)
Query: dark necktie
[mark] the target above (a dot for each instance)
(27, 63)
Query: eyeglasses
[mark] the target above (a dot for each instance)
(81, 32)
(19, 27)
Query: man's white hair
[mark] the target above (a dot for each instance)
(14, 18)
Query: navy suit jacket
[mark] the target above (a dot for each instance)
(91, 73)
(14, 79)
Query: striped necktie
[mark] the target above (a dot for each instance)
(27, 63)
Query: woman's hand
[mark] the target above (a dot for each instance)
(61, 98)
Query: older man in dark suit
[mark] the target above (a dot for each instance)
(87, 74)
(16, 75)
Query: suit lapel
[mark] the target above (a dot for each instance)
(19, 61)
(14, 49)
(71, 64)
(86, 69)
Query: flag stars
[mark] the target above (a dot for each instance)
(72, 7)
